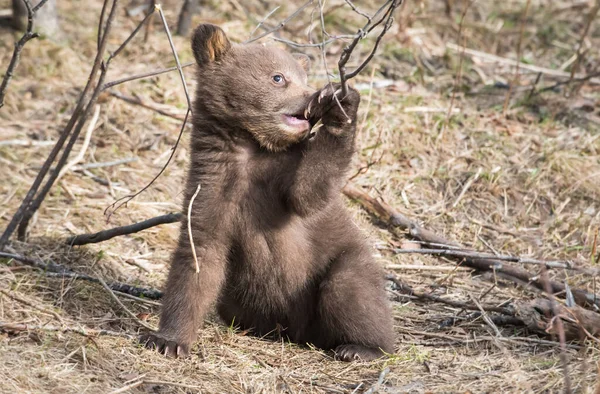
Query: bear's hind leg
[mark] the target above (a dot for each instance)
(354, 314)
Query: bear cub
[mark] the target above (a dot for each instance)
(278, 252)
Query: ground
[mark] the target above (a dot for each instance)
(519, 177)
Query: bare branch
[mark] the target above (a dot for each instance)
(519, 44)
(145, 75)
(54, 270)
(86, 332)
(280, 24)
(174, 51)
(24, 208)
(387, 19)
(142, 103)
(515, 274)
(102, 236)
(14, 61)
(261, 23)
(118, 301)
(590, 19)
(559, 329)
(124, 200)
(486, 256)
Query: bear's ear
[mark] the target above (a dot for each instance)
(304, 61)
(209, 43)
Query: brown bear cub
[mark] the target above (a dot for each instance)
(277, 249)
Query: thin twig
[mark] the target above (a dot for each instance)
(14, 61)
(569, 81)
(84, 146)
(458, 77)
(559, 328)
(54, 270)
(145, 75)
(24, 208)
(513, 63)
(189, 226)
(31, 304)
(127, 311)
(467, 186)
(104, 164)
(488, 256)
(174, 51)
(280, 24)
(519, 44)
(485, 316)
(261, 23)
(387, 20)
(406, 289)
(124, 200)
(86, 332)
(590, 19)
(141, 103)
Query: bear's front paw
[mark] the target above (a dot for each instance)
(167, 347)
(334, 109)
(351, 352)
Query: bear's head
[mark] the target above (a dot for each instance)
(254, 88)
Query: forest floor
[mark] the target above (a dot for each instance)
(518, 179)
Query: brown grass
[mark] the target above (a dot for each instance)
(537, 195)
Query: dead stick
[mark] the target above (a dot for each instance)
(487, 256)
(54, 270)
(516, 274)
(87, 332)
(403, 288)
(101, 236)
(118, 301)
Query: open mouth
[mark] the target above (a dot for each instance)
(297, 121)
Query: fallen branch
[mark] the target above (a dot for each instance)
(439, 245)
(539, 315)
(280, 24)
(532, 314)
(487, 256)
(118, 301)
(86, 332)
(514, 63)
(403, 288)
(101, 236)
(54, 270)
(515, 274)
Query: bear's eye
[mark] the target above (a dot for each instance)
(278, 79)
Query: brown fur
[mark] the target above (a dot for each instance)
(278, 251)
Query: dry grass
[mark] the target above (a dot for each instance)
(537, 194)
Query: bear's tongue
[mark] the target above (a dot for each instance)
(295, 121)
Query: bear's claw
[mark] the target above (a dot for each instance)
(351, 352)
(165, 346)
